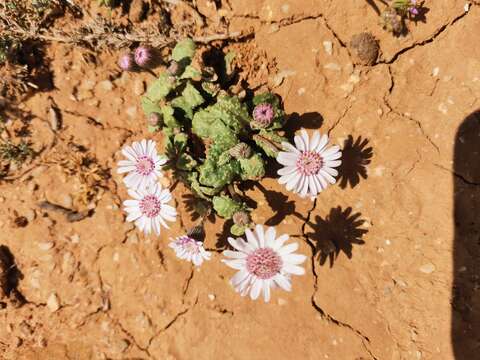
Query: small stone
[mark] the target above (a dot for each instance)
(75, 238)
(30, 215)
(281, 302)
(66, 201)
(435, 71)
(332, 66)
(84, 95)
(132, 111)
(328, 47)
(138, 87)
(45, 246)
(211, 297)
(427, 268)
(120, 345)
(87, 84)
(105, 85)
(53, 303)
(2, 199)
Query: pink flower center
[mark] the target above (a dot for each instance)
(150, 206)
(145, 165)
(264, 263)
(189, 244)
(263, 114)
(309, 163)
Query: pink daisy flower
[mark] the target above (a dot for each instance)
(263, 262)
(187, 248)
(149, 208)
(143, 164)
(309, 166)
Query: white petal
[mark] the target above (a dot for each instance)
(286, 178)
(287, 158)
(294, 259)
(134, 216)
(239, 277)
(330, 151)
(333, 163)
(156, 226)
(270, 235)
(290, 148)
(293, 181)
(327, 176)
(315, 141)
(287, 170)
(234, 254)
(312, 185)
(322, 180)
(238, 264)
(256, 287)
(129, 153)
(287, 249)
(330, 171)
(280, 241)
(251, 239)
(260, 235)
(299, 143)
(293, 269)
(283, 282)
(240, 245)
(266, 290)
(323, 142)
(305, 138)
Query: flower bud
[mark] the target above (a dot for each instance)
(241, 218)
(143, 56)
(155, 119)
(173, 68)
(241, 151)
(263, 115)
(126, 62)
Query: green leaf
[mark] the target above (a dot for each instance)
(191, 73)
(168, 118)
(149, 106)
(225, 206)
(212, 173)
(184, 49)
(186, 162)
(160, 88)
(252, 168)
(190, 99)
(237, 230)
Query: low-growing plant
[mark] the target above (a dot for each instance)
(217, 137)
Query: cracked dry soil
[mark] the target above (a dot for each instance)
(381, 242)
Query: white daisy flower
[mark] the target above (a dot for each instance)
(263, 262)
(143, 164)
(309, 165)
(187, 248)
(149, 208)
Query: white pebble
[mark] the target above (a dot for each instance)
(427, 268)
(211, 297)
(52, 303)
(435, 71)
(45, 246)
(332, 66)
(328, 47)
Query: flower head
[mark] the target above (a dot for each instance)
(413, 9)
(263, 262)
(126, 62)
(143, 56)
(143, 164)
(187, 248)
(263, 115)
(309, 165)
(149, 208)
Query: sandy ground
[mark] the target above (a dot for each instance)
(393, 274)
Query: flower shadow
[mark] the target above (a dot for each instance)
(310, 120)
(337, 233)
(356, 155)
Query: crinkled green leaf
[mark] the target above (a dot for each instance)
(270, 142)
(210, 88)
(186, 162)
(252, 168)
(184, 49)
(238, 230)
(168, 118)
(160, 88)
(190, 99)
(213, 174)
(149, 106)
(191, 73)
(225, 206)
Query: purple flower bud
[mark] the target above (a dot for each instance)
(126, 62)
(143, 56)
(263, 115)
(413, 11)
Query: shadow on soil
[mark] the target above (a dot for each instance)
(466, 253)
(356, 156)
(337, 233)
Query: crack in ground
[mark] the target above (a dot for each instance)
(436, 34)
(131, 337)
(408, 117)
(339, 120)
(325, 316)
